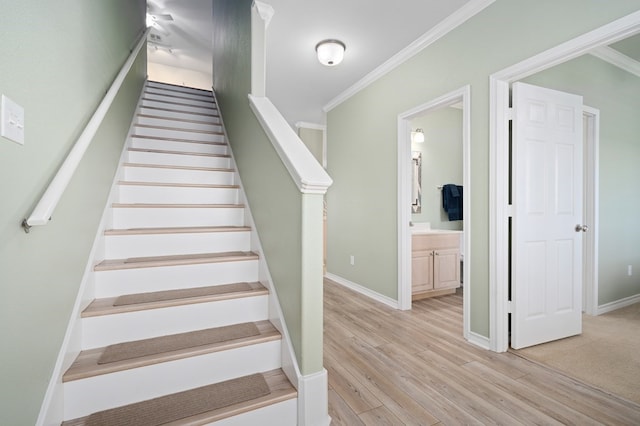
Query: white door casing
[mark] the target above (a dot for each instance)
(547, 222)
(500, 209)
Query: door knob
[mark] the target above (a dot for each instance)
(582, 228)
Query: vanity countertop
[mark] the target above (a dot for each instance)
(423, 228)
(434, 231)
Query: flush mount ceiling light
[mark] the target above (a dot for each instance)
(417, 136)
(330, 52)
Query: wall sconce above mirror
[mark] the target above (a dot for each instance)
(417, 136)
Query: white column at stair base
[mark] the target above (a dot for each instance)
(313, 400)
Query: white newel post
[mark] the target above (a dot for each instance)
(312, 181)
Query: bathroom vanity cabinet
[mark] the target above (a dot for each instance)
(435, 267)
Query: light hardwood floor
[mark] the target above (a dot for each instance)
(389, 367)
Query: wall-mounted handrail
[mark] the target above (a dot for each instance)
(47, 204)
(304, 169)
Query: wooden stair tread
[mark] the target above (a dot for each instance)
(168, 139)
(178, 185)
(163, 151)
(105, 306)
(162, 101)
(176, 206)
(86, 364)
(179, 129)
(176, 230)
(182, 120)
(174, 88)
(202, 114)
(171, 86)
(174, 260)
(280, 390)
(178, 94)
(168, 166)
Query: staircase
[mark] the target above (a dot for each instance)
(179, 331)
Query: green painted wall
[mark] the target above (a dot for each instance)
(362, 217)
(441, 163)
(312, 138)
(58, 60)
(275, 201)
(616, 94)
(629, 46)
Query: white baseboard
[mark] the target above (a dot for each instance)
(364, 291)
(612, 306)
(313, 400)
(478, 340)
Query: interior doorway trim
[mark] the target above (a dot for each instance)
(500, 210)
(462, 95)
(591, 123)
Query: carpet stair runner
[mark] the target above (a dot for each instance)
(178, 332)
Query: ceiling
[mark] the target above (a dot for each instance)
(296, 82)
(185, 41)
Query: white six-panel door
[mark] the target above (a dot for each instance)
(547, 210)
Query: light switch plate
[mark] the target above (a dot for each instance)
(12, 120)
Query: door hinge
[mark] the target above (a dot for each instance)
(509, 304)
(510, 114)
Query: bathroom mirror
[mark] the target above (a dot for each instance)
(416, 194)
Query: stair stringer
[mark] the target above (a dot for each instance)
(52, 408)
(313, 388)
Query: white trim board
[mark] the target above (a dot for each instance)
(617, 59)
(460, 16)
(308, 125)
(499, 154)
(612, 306)
(591, 119)
(478, 340)
(358, 288)
(461, 96)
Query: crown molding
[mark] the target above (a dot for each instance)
(308, 125)
(448, 24)
(618, 59)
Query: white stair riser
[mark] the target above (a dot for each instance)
(202, 96)
(205, 148)
(167, 86)
(152, 174)
(139, 384)
(144, 280)
(284, 413)
(136, 217)
(177, 159)
(180, 100)
(125, 246)
(187, 125)
(180, 195)
(178, 134)
(182, 108)
(107, 330)
(179, 115)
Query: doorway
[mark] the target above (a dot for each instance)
(499, 154)
(461, 99)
